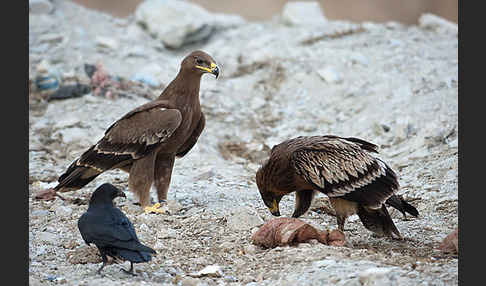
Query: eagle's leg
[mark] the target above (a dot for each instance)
(340, 222)
(140, 179)
(164, 164)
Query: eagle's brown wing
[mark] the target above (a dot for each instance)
(344, 167)
(133, 136)
(140, 130)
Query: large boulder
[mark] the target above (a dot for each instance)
(178, 23)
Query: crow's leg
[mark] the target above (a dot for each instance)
(130, 271)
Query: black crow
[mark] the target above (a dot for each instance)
(110, 230)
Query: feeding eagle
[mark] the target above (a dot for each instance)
(146, 140)
(344, 169)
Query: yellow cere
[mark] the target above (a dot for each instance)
(212, 67)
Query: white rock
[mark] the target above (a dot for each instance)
(244, 218)
(454, 143)
(107, 42)
(48, 237)
(39, 213)
(436, 23)
(329, 75)
(51, 38)
(374, 276)
(250, 249)
(175, 22)
(173, 206)
(302, 13)
(166, 233)
(211, 270)
(66, 121)
(43, 67)
(189, 281)
(63, 211)
(40, 6)
(324, 263)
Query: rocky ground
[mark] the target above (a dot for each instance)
(390, 84)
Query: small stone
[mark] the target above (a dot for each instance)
(176, 23)
(211, 271)
(371, 276)
(40, 7)
(244, 218)
(51, 38)
(329, 75)
(226, 246)
(106, 42)
(167, 233)
(324, 263)
(43, 67)
(454, 143)
(190, 281)
(302, 13)
(39, 213)
(63, 211)
(47, 237)
(250, 249)
(174, 206)
(436, 23)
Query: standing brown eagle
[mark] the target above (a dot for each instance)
(146, 140)
(344, 169)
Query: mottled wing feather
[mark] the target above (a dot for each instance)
(336, 166)
(137, 133)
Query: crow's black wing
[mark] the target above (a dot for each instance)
(110, 227)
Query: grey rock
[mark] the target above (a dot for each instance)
(107, 42)
(39, 213)
(176, 23)
(244, 218)
(63, 211)
(374, 276)
(190, 281)
(174, 206)
(436, 23)
(303, 13)
(48, 237)
(40, 7)
(329, 75)
(211, 271)
(51, 38)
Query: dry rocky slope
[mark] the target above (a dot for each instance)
(387, 83)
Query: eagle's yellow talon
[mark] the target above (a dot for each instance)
(155, 209)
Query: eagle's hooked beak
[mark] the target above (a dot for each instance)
(275, 209)
(212, 69)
